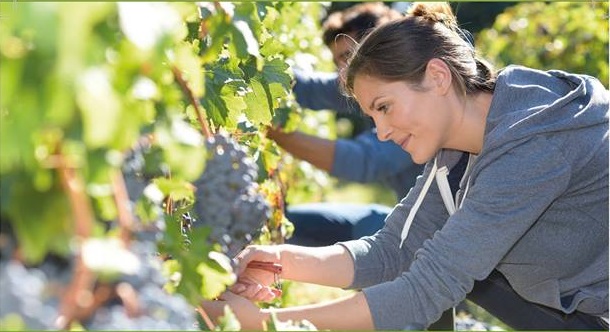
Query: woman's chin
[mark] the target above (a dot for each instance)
(421, 158)
(419, 161)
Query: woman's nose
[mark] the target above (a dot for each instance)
(383, 132)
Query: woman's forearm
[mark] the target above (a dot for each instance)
(311, 264)
(348, 313)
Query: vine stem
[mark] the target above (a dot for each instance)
(121, 199)
(78, 295)
(129, 297)
(280, 201)
(206, 318)
(205, 129)
(169, 202)
(101, 294)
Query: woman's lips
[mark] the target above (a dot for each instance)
(404, 142)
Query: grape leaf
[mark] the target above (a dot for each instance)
(45, 228)
(215, 279)
(259, 102)
(275, 71)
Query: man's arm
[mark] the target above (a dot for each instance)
(317, 151)
(320, 91)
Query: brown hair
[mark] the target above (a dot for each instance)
(400, 50)
(357, 21)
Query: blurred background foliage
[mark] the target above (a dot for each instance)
(571, 36)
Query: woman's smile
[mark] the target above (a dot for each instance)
(404, 142)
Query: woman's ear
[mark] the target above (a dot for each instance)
(438, 75)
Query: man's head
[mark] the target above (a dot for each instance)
(344, 27)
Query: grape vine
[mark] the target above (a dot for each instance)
(124, 128)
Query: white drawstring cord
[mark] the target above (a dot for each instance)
(445, 189)
(418, 201)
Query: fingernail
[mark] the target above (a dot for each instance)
(238, 288)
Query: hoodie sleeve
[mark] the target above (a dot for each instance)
(505, 199)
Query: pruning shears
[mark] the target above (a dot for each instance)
(274, 268)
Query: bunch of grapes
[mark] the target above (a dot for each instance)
(142, 164)
(227, 199)
(28, 298)
(157, 310)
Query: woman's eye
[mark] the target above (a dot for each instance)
(382, 108)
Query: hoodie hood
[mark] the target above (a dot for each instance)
(557, 102)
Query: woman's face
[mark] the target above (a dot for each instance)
(415, 120)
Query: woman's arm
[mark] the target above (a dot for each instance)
(348, 313)
(305, 264)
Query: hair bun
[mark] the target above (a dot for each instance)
(434, 11)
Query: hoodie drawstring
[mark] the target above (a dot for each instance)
(418, 201)
(443, 185)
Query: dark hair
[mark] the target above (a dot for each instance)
(400, 50)
(357, 21)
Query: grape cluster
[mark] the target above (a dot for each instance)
(27, 295)
(30, 297)
(227, 199)
(158, 310)
(140, 166)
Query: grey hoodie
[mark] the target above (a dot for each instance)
(534, 207)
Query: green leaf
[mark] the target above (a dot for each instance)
(215, 279)
(271, 46)
(100, 107)
(228, 321)
(212, 102)
(182, 148)
(270, 156)
(250, 68)
(244, 44)
(232, 94)
(251, 12)
(43, 229)
(218, 28)
(14, 322)
(176, 188)
(275, 71)
(259, 104)
(190, 65)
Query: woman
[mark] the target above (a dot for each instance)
(532, 205)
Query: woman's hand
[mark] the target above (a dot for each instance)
(249, 314)
(255, 284)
